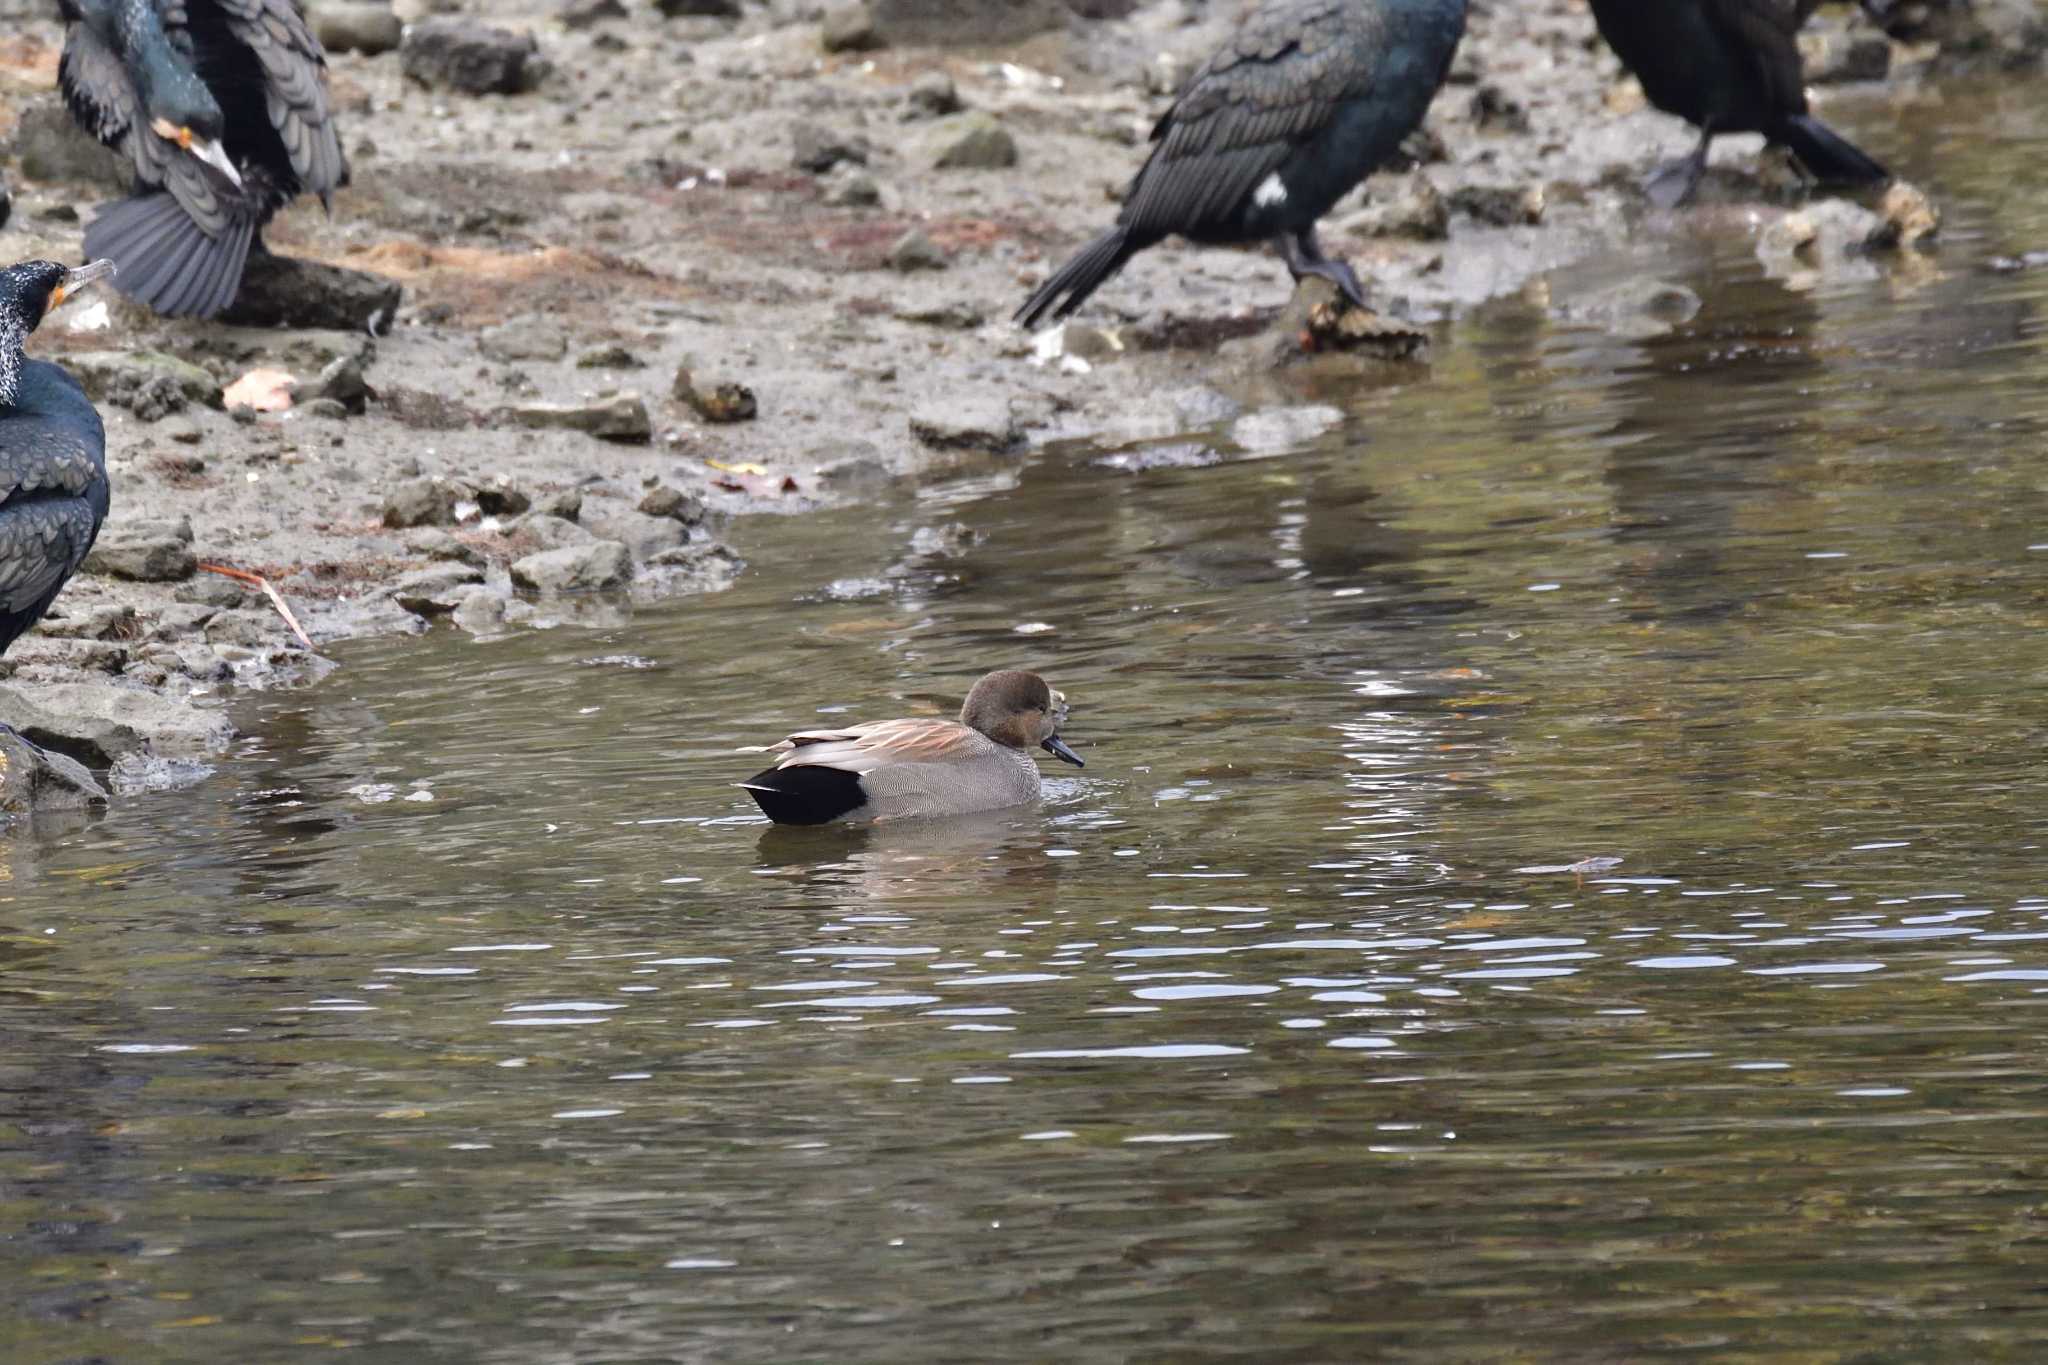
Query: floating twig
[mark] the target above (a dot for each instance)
(276, 598)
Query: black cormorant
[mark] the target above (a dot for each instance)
(1727, 66)
(221, 105)
(1306, 99)
(53, 452)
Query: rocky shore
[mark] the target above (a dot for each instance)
(609, 275)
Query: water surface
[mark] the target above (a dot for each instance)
(1558, 874)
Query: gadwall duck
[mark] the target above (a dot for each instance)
(891, 769)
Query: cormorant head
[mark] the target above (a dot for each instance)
(27, 293)
(181, 108)
(30, 290)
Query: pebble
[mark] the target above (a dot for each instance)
(609, 417)
(464, 55)
(664, 501)
(575, 568)
(419, 502)
(526, 337)
(976, 141)
(849, 28)
(914, 250)
(366, 26)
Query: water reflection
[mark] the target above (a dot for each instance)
(1577, 809)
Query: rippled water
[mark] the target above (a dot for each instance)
(1559, 875)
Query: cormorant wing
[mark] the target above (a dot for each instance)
(295, 87)
(1275, 86)
(41, 545)
(103, 98)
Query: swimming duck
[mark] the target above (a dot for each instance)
(919, 767)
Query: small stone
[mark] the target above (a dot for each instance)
(1494, 110)
(434, 591)
(182, 619)
(566, 503)
(849, 28)
(1410, 208)
(527, 337)
(471, 57)
(552, 532)
(327, 409)
(579, 14)
(575, 568)
(817, 150)
(643, 535)
(1835, 56)
(710, 9)
(726, 402)
(435, 543)
(932, 95)
(42, 781)
(145, 552)
(609, 417)
(1909, 217)
(107, 621)
(1500, 205)
(664, 501)
(125, 378)
(253, 628)
(976, 141)
(478, 610)
(212, 590)
(971, 421)
(342, 380)
(366, 26)
(916, 251)
(419, 502)
(185, 431)
(291, 291)
(502, 500)
(613, 357)
(849, 187)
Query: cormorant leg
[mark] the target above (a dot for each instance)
(1305, 256)
(1671, 185)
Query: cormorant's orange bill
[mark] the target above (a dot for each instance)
(207, 150)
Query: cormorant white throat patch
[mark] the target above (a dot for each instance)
(1271, 191)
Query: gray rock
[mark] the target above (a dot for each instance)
(612, 357)
(326, 409)
(96, 721)
(126, 378)
(664, 501)
(971, 421)
(366, 26)
(932, 95)
(53, 147)
(1500, 205)
(182, 619)
(610, 417)
(467, 56)
(566, 503)
(709, 9)
(526, 337)
(34, 781)
(210, 590)
(435, 591)
(981, 23)
(478, 610)
(284, 291)
(575, 568)
(578, 14)
(419, 502)
(976, 141)
(552, 532)
(435, 543)
(818, 150)
(250, 628)
(849, 187)
(1411, 207)
(643, 535)
(145, 551)
(107, 621)
(849, 28)
(916, 251)
(342, 381)
(502, 500)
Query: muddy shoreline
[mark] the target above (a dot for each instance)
(692, 220)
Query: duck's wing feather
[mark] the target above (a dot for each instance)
(864, 748)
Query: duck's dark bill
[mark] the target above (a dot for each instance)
(1057, 747)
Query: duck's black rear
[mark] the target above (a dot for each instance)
(806, 794)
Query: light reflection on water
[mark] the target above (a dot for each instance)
(1560, 857)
